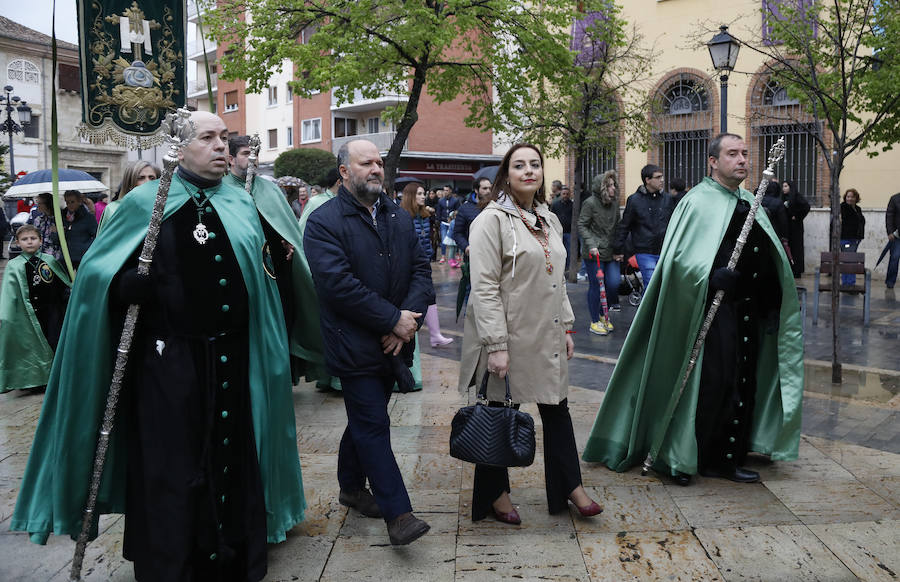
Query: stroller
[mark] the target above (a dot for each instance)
(632, 284)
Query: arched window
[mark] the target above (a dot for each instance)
(776, 95)
(685, 96)
(23, 71)
(775, 114)
(683, 125)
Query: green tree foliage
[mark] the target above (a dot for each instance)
(841, 60)
(600, 94)
(468, 49)
(5, 179)
(308, 164)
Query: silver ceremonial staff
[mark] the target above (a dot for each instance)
(254, 163)
(179, 131)
(775, 155)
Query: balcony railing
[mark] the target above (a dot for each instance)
(199, 86)
(382, 140)
(196, 48)
(360, 103)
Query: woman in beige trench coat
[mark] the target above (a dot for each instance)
(517, 322)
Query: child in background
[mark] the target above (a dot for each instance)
(33, 299)
(450, 243)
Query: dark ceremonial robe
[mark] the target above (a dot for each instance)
(206, 432)
(32, 306)
(295, 285)
(645, 382)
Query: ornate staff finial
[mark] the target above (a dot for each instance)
(776, 153)
(253, 163)
(254, 148)
(178, 130)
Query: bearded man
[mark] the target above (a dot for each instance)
(374, 283)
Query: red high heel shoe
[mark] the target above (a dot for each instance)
(511, 518)
(589, 510)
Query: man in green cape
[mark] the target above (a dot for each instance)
(203, 457)
(32, 305)
(746, 390)
(298, 295)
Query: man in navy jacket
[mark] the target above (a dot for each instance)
(374, 283)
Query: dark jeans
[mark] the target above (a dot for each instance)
(365, 449)
(562, 472)
(893, 263)
(611, 279)
(849, 245)
(646, 264)
(567, 239)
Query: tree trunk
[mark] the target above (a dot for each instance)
(409, 119)
(577, 189)
(835, 249)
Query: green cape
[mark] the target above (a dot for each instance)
(654, 357)
(325, 379)
(107, 213)
(25, 355)
(305, 339)
(58, 473)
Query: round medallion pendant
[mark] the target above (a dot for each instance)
(201, 235)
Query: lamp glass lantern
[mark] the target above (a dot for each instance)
(723, 49)
(24, 114)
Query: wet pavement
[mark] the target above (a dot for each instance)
(833, 515)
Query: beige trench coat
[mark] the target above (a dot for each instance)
(515, 305)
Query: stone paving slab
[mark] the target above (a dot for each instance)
(818, 502)
(868, 549)
(361, 558)
(647, 556)
(787, 553)
(632, 508)
(715, 503)
(526, 556)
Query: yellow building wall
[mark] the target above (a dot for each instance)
(677, 29)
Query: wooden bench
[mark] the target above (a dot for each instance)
(848, 264)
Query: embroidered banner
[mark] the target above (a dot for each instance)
(132, 68)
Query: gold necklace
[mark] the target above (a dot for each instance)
(537, 231)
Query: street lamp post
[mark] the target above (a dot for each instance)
(723, 48)
(11, 127)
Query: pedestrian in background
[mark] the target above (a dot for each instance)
(413, 201)
(853, 228)
(136, 173)
(79, 224)
(42, 218)
(467, 213)
(892, 224)
(562, 208)
(518, 322)
(596, 226)
(797, 209)
(646, 217)
(446, 206)
(679, 189)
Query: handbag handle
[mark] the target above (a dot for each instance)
(482, 391)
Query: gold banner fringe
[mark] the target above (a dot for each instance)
(110, 132)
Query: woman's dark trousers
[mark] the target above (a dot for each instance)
(562, 473)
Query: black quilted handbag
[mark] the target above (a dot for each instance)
(500, 436)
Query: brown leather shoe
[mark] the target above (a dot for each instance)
(361, 500)
(406, 528)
